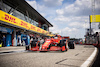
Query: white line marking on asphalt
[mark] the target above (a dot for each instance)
(90, 59)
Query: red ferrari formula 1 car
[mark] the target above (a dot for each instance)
(54, 44)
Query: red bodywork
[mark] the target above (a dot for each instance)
(51, 42)
(50, 45)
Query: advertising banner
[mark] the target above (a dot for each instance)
(13, 20)
(94, 18)
(18, 22)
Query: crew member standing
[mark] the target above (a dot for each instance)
(41, 42)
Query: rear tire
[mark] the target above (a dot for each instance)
(72, 46)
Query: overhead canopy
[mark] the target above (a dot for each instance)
(23, 6)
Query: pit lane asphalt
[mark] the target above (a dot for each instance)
(72, 58)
